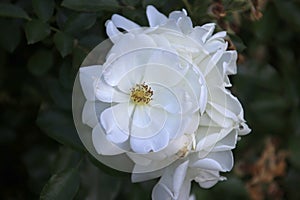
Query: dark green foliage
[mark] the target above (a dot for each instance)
(36, 30)
(63, 43)
(10, 10)
(44, 9)
(61, 186)
(43, 43)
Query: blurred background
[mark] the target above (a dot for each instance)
(42, 44)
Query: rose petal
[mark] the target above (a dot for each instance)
(102, 145)
(227, 143)
(208, 137)
(158, 119)
(155, 143)
(207, 178)
(218, 161)
(115, 121)
(185, 24)
(88, 76)
(172, 184)
(113, 33)
(243, 129)
(209, 27)
(90, 110)
(141, 116)
(155, 18)
(121, 22)
(165, 98)
(109, 94)
(139, 177)
(228, 62)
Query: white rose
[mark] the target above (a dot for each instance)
(160, 102)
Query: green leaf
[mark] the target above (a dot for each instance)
(91, 5)
(59, 126)
(62, 186)
(44, 9)
(10, 10)
(65, 158)
(36, 30)
(80, 22)
(38, 166)
(63, 43)
(40, 62)
(10, 36)
(61, 96)
(67, 74)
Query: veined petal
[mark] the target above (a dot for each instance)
(227, 143)
(141, 116)
(115, 121)
(215, 46)
(154, 165)
(218, 36)
(228, 62)
(219, 117)
(244, 129)
(88, 76)
(176, 15)
(178, 177)
(208, 64)
(225, 103)
(215, 77)
(172, 182)
(102, 145)
(109, 94)
(207, 178)
(139, 177)
(113, 33)
(206, 121)
(210, 27)
(175, 125)
(207, 138)
(217, 161)
(155, 18)
(90, 112)
(191, 123)
(197, 86)
(165, 98)
(121, 22)
(139, 159)
(156, 74)
(185, 24)
(158, 118)
(161, 191)
(131, 57)
(199, 34)
(170, 151)
(155, 143)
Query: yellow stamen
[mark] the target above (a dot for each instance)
(141, 94)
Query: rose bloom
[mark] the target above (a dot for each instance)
(161, 101)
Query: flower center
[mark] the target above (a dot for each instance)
(141, 94)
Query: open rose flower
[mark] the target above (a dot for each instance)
(160, 102)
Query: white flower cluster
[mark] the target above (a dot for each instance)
(160, 103)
